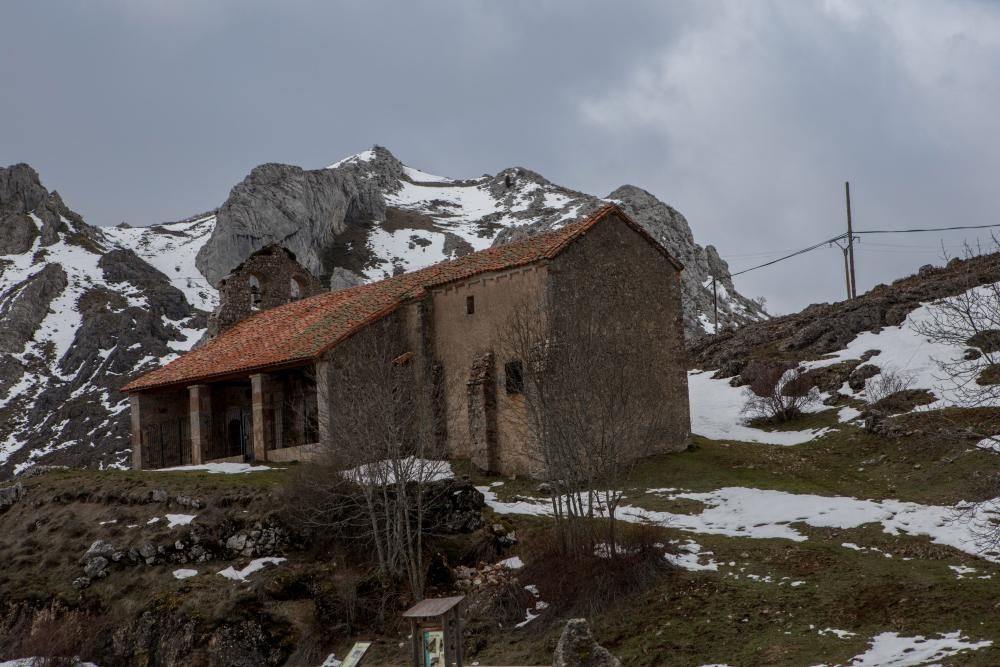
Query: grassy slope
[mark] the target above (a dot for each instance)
(683, 618)
(695, 618)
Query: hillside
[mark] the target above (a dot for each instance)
(828, 539)
(84, 308)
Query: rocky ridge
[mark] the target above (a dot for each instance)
(370, 216)
(828, 327)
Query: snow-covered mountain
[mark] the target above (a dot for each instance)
(84, 308)
(81, 312)
(369, 216)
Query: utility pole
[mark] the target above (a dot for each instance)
(715, 300)
(847, 274)
(853, 286)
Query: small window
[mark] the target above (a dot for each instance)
(254, 293)
(470, 305)
(514, 375)
(294, 290)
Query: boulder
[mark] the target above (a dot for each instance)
(96, 567)
(10, 495)
(856, 380)
(577, 648)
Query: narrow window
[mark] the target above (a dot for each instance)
(254, 293)
(470, 305)
(514, 376)
(294, 290)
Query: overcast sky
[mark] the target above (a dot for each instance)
(746, 116)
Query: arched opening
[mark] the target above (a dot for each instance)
(295, 288)
(255, 294)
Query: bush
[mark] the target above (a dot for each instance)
(778, 394)
(587, 583)
(887, 383)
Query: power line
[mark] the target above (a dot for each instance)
(789, 256)
(929, 229)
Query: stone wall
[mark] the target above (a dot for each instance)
(636, 292)
(270, 277)
(161, 433)
(462, 340)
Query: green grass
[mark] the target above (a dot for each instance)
(696, 618)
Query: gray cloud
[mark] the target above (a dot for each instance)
(747, 117)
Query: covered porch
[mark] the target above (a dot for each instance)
(259, 417)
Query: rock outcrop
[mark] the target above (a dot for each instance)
(824, 328)
(578, 648)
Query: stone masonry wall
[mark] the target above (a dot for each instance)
(646, 315)
(276, 273)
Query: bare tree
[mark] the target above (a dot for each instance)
(779, 394)
(970, 320)
(591, 403)
(374, 481)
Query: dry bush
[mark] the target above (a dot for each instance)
(778, 394)
(889, 382)
(58, 638)
(587, 583)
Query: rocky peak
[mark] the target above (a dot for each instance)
(21, 189)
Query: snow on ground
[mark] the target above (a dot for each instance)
(716, 413)
(763, 514)
(255, 565)
(384, 472)
(423, 177)
(716, 407)
(171, 249)
(839, 634)
(184, 573)
(890, 649)
(220, 468)
(364, 156)
(536, 611)
(179, 519)
(408, 249)
(512, 563)
(689, 555)
(906, 351)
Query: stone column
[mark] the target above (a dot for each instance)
(324, 404)
(200, 399)
(260, 386)
(135, 404)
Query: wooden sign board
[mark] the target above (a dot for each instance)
(356, 654)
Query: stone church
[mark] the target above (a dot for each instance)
(263, 387)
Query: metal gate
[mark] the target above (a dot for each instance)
(163, 444)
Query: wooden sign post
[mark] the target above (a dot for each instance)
(436, 632)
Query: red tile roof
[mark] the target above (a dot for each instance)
(303, 330)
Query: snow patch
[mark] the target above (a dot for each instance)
(255, 565)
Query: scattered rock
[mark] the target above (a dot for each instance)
(856, 380)
(96, 567)
(10, 495)
(577, 648)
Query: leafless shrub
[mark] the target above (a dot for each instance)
(778, 394)
(590, 404)
(889, 382)
(373, 483)
(587, 583)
